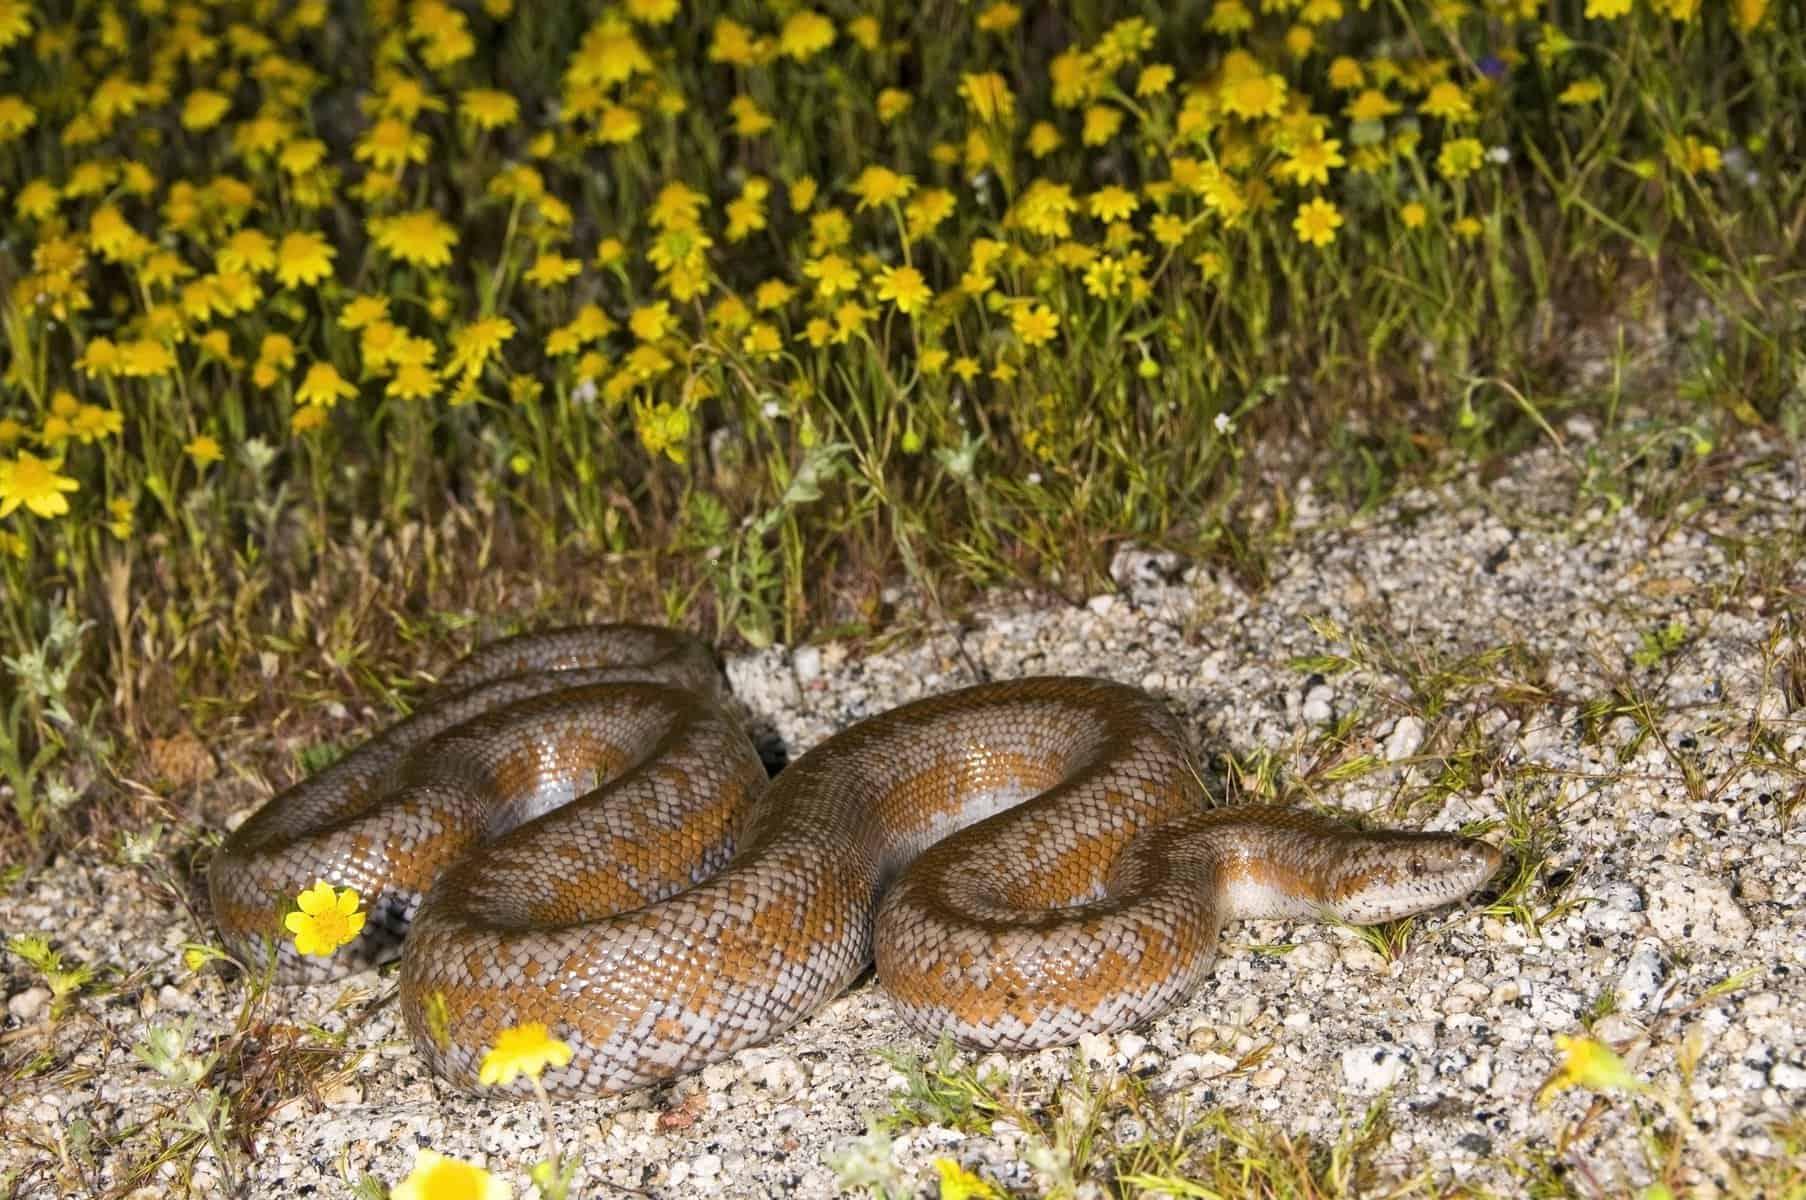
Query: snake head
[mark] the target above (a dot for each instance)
(1386, 876)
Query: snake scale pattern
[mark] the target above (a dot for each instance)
(577, 831)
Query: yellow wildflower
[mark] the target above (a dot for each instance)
(805, 34)
(1345, 74)
(59, 425)
(1123, 43)
(36, 200)
(850, 317)
(832, 274)
(1113, 203)
(927, 210)
(303, 258)
(652, 12)
(957, 1183)
(1102, 122)
(1106, 276)
(216, 344)
(421, 238)
(1317, 222)
(391, 144)
(904, 287)
(1606, 10)
(476, 343)
(436, 1177)
(326, 919)
(1034, 323)
(1448, 101)
(203, 109)
(121, 524)
(881, 185)
(552, 269)
(145, 358)
(15, 21)
(302, 155)
(829, 229)
(650, 322)
(324, 387)
(893, 103)
(1154, 80)
(1075, 77)
(1169, 229)
(412, 381)
(749, 119)
(488, 108)
(676, 207)
(771, 295)
(1693, 156)
(1582, 91)
(277, 352)
(1589, 1064)
(1254, 95)
(92, 422)
(735, 44)
(1044, 138)
(999, 18)
(1311, 161)
(380, 339)
(361, 310)
(1229, 17)
(762, 341)
(522, 1050)
(34, 482)
(203, 450)
(618, 124)
(1460, 158)
(866, 32)
(112, 238)
(1045, 208)
(247, 250)
(99, 358)
(663, 429)
(1371, 105)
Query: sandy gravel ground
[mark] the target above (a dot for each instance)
(1617, 679)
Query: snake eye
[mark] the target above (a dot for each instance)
(1417, 865)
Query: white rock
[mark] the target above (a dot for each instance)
(1643, 977)
(1317, 709)
(26, 1005)
(1374, 1066)
(1406, 739)
(1696, 911)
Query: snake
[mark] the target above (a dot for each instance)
(576, 829)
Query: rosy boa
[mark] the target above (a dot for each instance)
(578, 832)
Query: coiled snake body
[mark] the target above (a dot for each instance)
(579, 833)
